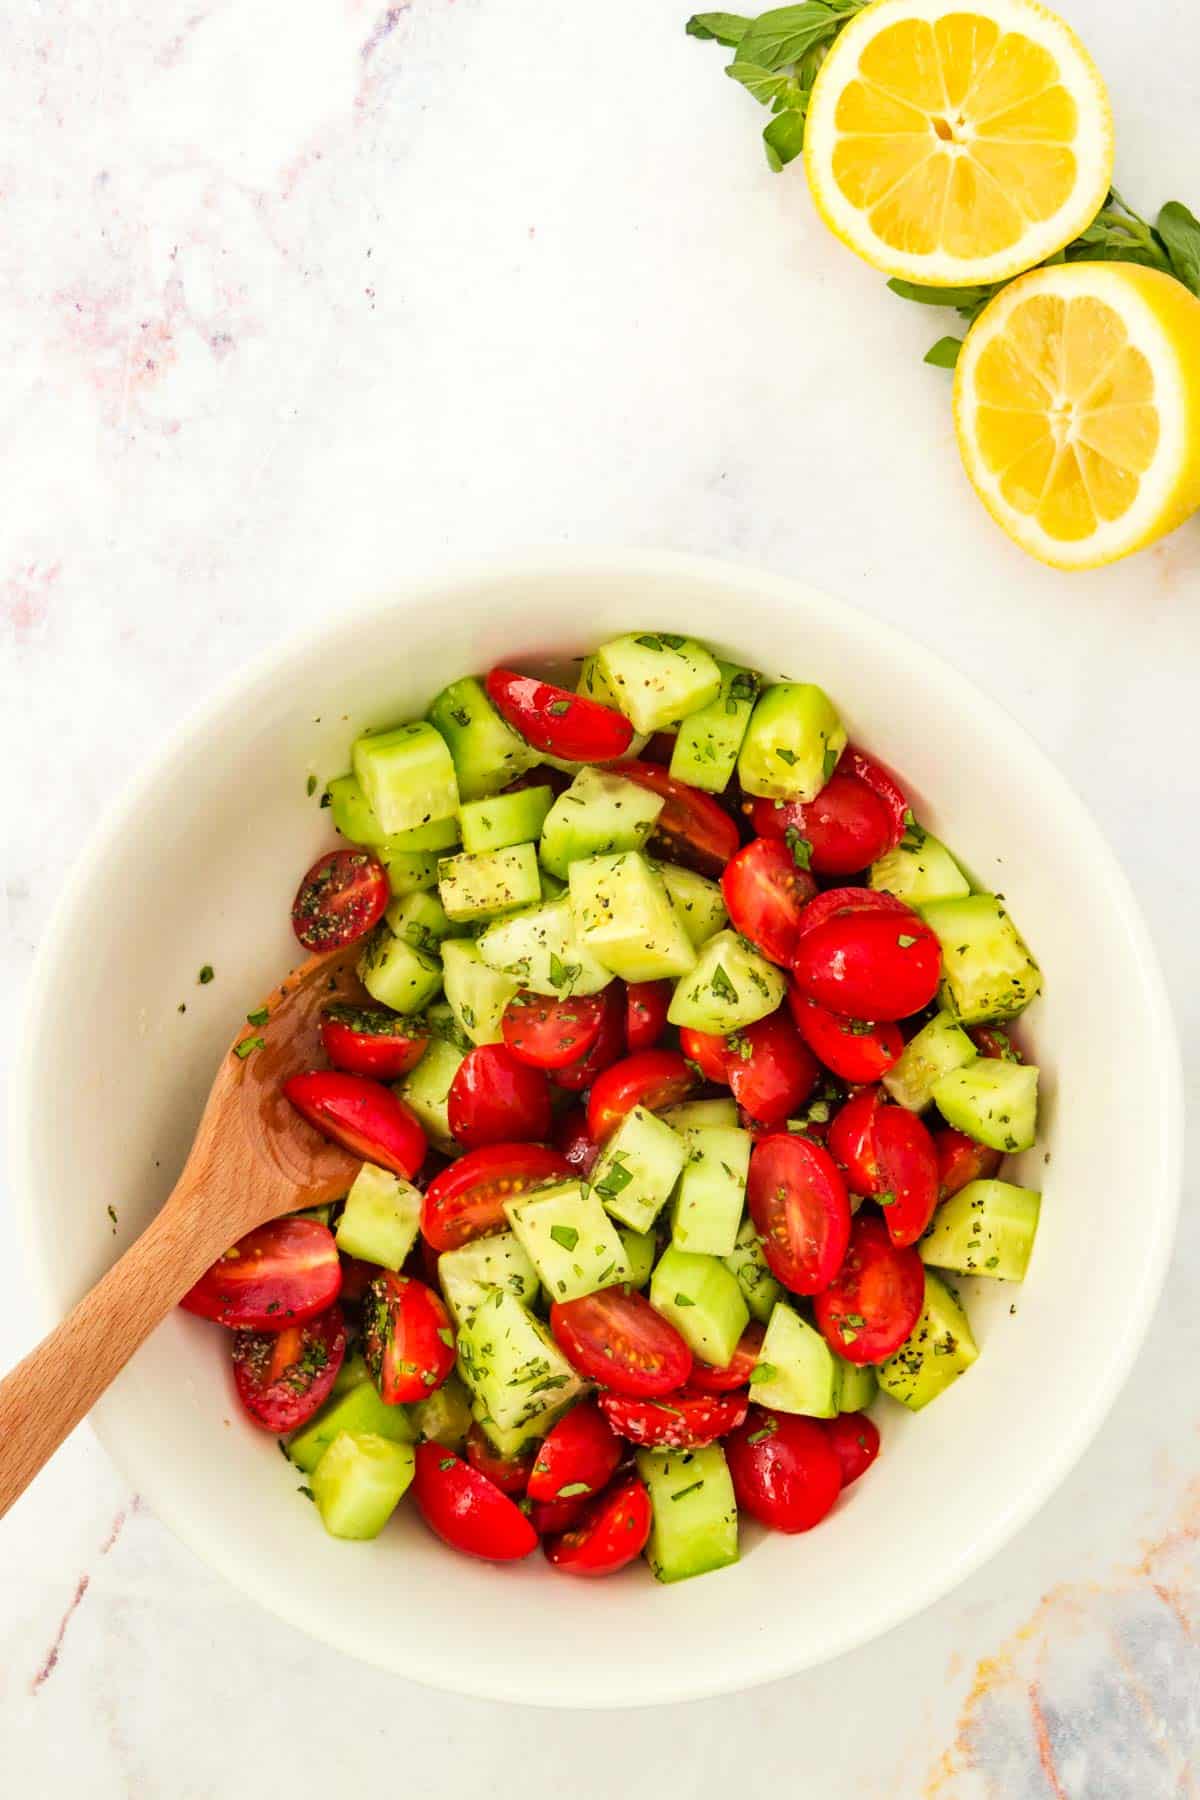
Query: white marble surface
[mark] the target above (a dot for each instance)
(292, 297)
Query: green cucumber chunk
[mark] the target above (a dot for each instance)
(994, 1102)
(511, 1363)
(356, 1410)
(468, 1274)
(599, 813)
(748, 1265)
(695, 1527)
(707, 1210)
(688, 1114)
(477, 995)
(569, 1239)
(488, 754)
(350, 814)
(406, 775)
(353, 1370)
(707, 745)
(359, 1482)
(484, 884)
(397, 974)
(408, 871)
(637, 1169)
(989, 973)
(699, 903)
(520, 1437)
(658, 677)
(796, 1371)
(505, 819)
(381, 1218)
(624, 916)
(792, 743)
(730, 987)
(856, 1385)
(919, 870)
(936, 1050)
(987, 1228)
(641, 1248)
(420, 919)
(426, 1089)
(542, 951)
(702, 1300)
(936, 1354)
(443, 1417)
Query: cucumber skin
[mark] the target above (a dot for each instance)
(707, 745)
(992, 1101)
(989, 971)
(792, 743)
(919, 872)
(940, 1349)
(486, 751)
(426, 1087)
(748, 1266)
(505, 819)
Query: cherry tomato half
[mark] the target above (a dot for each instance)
(691, 828)
(550, 1516)
(495, 1099)
(800, 1207)
(835, 903)
(558, 722)
(342, 896)
(908, 1173)
(736, 1373)
(653, 1079)
(278, 1275)
(865, 769)
(466, 1510)
(882, 966)
(686, 1420)
(466, 1200)
(852, 1140)
(646, 1004)
(855, 1049)
(784, 1469)
(367, 1040)
(611, 1532)
(876, 1297)
(363, 1116)
(510, 1473)
(845, 829)
(282, 1377)
(607, 1049)
(708, 1051)
(549, 1034)
(577, 1457)
(408, 1338)
(960, 1159)
(766, 895)
(572, 1137)
(617, 1339)
(772, 1071)
(855, 1441)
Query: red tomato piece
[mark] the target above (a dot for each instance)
(876, 1297)
(784, 1470)
(577, 1457)
(646, 1004)
(772, 1071)
(618, 1339)
(549, 1034)
(799, 1204)
(408, 1339)
(707, 1050)
(363, 1116)
(466, 1510)
(960, 1159)
(865, 769)
(880, 967)
(691, 828)
(653, 1079)
(495, 1099)
(846, 828)
(855, 1441)
(610, 1533)
(367, 1040)
(736, 1373)
(681, 1421)
(283, 1377)
(660, 748)
(572, 1137)
(852, 1140)
(510, 1473)
(357, 1277)
(467, 1199)
(607, 1049)
(550, 1516)
(908, 1173)
(342, 896)
(766, 895)
(835, 903)
(277, 1275)
(556, 721)
(854, 1049)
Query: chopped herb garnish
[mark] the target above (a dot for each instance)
(905, 942)
(829, 761)
(573, 1489)
(248, 1046)
(205, 975)
(786, 756)
(799, 846)
(766, 1431)
(310, 786)
(259, 1016)
(684, 1300)
(565, 1236)
(557, 708)
(762, 1371)
(447, 1462)
(722, 987)
(680, 1492)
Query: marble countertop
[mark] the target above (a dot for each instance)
(294, 297)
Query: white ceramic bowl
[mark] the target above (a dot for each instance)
(199, 865)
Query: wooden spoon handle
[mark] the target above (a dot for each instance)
(45, 1396)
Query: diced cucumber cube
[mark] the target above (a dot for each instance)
(699, 903)
(688, 1114)
(748, 1264)
(381, 1217)
(592, 683)
(539, 948)
(702, 1300)
(350, 814)
(936, 1354)
(919, 870)
(637, 1169)
(356, 1410)
(505, 819)
(484, 884)
(658, 677)
(426, 1089)
(792, 743)
(856, 1385)
(987, 1228)
(512, 1443)
(641, 1248)
(488, 754)
(420, 919)
(511, 1363)
(408, 871)
(406, 775)
(708, 1206)
(467, 1275)
(730, 987)
(477, 995)
(599, 813)
(397, 974)
(443, 1417)
(707, 745)
(935, 1050)
(989, 973)
(796, 1371)
(570, 1240)
(359, 1482)
(623, 915)
(695, 1527)
(992, 1101)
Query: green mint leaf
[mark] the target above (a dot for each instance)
(615, 1180)
(719, 27)
(787, 33)
(765, 85)
(967, 299)
(905, 942)
(565, 1236)
(557, 708)
(690, 1489)
(1179, 230)
(258, 1017)
(799, 846)
(572, 1490)
(786, 756)
(686, 1299)
(310, 786)
(762, 1372)
(247, 1045)
(784, 139)
(829, 761)
(558, 973)
(722, 987)
(205, 975)
(943, 354)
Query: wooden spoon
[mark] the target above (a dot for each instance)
(254, 1158)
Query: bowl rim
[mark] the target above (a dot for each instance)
(1129, 1332)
